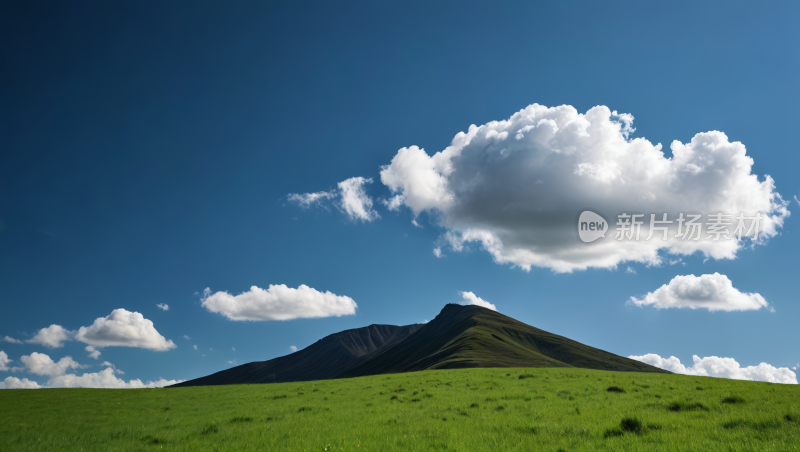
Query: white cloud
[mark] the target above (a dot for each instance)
(233, 348)
(122, 328)
(438, 252)
(353, 200)
(12, 340)
(798, 200)
(186, 337)
(195, 347)
(42, 364)
(279, 302)
(53, 336)
(713, 366)
(163, 306)
(4, 360)
(306, 200)
(16, 383)
(292, 348)
(116, 371)
(515, 187)
(713, 292)
(471, 298)
(93, 352)
(631, 271)
(105, 379)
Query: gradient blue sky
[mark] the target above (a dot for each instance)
(147, 150)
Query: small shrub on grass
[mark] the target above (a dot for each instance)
(282, 396)
(733, 399)
(304, 408)
(152, 440)
(475, 405)
(394, 397)
(524, 376)
(242, 419)
(500, 408)
(632, 424)
(791, 418)
(611, 432)
(755, 425)
(615, 389)
(686, 406)
(211, 428)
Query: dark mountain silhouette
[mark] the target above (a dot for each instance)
(459, 337)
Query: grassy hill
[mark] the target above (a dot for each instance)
(329, 357)
(480, 409)
(473, 336)
(459, 337)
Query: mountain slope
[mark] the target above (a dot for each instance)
(326, 358)
(472, 336)
(459, 337)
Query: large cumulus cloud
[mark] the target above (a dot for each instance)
(713, 366)
(515, 187)
(278, 302)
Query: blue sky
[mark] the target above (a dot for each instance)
(149, 151)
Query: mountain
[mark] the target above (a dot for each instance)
(473, 336)
(459, 337)
(327, 358)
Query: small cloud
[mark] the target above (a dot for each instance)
(53, 336)
(438, 252)
(713, 366)
(195, 347)
(630, 270)
(292, 348)
(232, 362)
(306, 200)
(713, 292)
(210, 349)
(42, 364)
(93, 352)
(186, 337)
(471, 298)
(278, 302)
(675, 261)
(203, 355)
(233, 348)
(123, 328)
(116, 371)
(798, 200)
(16, 383)
(12, 340)
(163, 306)
(425, 321)
(4, 360)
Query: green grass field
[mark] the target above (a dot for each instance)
(461, 410)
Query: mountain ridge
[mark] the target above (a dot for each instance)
(458, 337)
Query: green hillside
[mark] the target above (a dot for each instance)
(473, 336)
(458, 337)
(493, 410)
